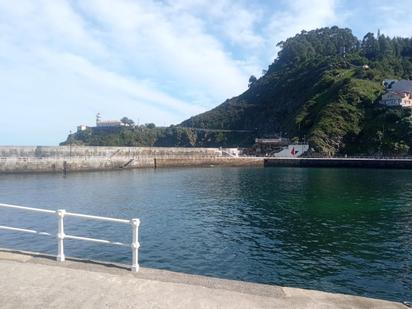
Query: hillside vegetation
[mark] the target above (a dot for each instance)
(150, 136)
(323, 87)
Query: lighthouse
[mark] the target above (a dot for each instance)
(98, 117)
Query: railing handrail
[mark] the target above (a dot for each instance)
(99, 218)
(72, 214)
(61, 213)
(28, 208)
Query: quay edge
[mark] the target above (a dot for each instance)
(339, 163)
(44, 283)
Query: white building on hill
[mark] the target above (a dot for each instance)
(402, 99)
(398, 93)
(107, 123)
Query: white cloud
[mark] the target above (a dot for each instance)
(236, 21)
(396, 17)
(171, 41)
(138, 90)
(303, 15)
(48, 23)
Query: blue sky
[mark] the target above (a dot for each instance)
(63, 61)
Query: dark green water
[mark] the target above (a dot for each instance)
(340, 230)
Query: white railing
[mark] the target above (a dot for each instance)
(61, 236)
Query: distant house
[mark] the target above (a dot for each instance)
(402, 99)
(402, 85)
(109, 123)
(398, 93)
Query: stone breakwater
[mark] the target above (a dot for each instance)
(93, 158)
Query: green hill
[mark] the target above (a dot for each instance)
(323, 87)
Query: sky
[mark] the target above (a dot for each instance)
(64, 61)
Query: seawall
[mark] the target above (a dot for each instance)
(27, 159)
(398, 163)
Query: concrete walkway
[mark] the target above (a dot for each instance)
(33, 281)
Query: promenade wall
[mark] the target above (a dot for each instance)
(85, 158)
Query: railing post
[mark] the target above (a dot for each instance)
(135, 244)
(60, 235)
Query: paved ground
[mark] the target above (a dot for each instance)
(32, 281)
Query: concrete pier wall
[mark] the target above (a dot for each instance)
(81, 158)
(101, 151)
(340, 162)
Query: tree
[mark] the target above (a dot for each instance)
(252, 80)
(370, 46)
(385, 46)
(127, 122)
(150, 125)
(317, 43)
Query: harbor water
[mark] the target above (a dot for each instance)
(337, 230)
